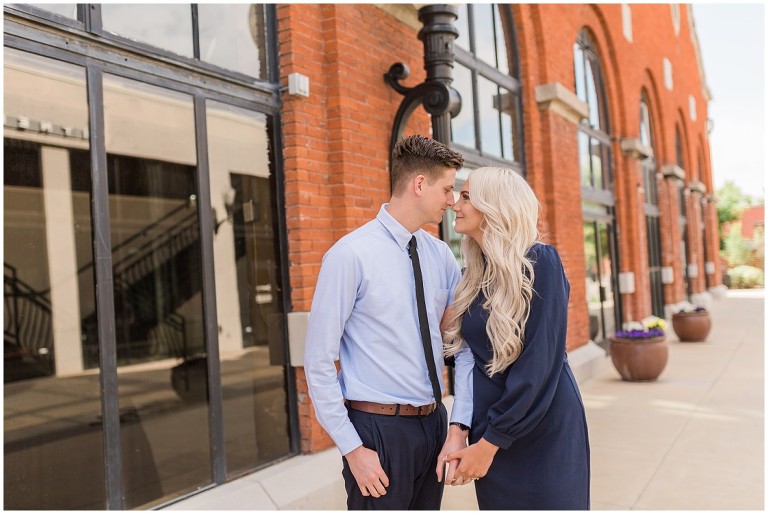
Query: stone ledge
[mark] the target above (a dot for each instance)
(557, 98)
(673, 171)
(697, 187)
(633, 147)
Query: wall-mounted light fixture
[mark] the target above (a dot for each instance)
(229, 205)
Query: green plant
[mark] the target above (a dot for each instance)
(745, 277)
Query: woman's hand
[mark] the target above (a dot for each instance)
(456, 440)
(475, 460)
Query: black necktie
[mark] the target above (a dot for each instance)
(423, 323)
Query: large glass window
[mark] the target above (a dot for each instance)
(248, 296)
(115, 400)
(53, 440)
(157, 277)
(489, 129)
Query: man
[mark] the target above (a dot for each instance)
(381, 409)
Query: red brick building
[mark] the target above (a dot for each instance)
(647, 118)
(169, 193)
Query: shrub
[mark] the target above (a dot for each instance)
(745, 277)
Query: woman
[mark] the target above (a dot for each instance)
(529, 447)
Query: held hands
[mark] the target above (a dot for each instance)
(366, 468)
(456, 440)
(474, 461)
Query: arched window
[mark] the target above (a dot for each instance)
(488, 131)
(651, 209)
(594, 140)
(682, 209)
(595, 158)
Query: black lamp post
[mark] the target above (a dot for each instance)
(437, 96)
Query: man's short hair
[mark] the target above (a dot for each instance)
(414, 155)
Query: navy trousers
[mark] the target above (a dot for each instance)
(408, 447)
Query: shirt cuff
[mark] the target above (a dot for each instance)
(347, 439)
(497, 438)
(462, 412)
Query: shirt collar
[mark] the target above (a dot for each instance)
(399, 233)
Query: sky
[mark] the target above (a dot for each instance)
(732, 42)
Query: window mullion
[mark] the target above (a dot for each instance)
(195, 33)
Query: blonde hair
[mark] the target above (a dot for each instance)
(500, 269)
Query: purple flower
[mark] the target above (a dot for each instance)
(640, 334)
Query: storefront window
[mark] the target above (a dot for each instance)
(53, 440)
(157, 274)
(248, 296)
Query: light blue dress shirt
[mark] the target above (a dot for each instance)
(364, 313)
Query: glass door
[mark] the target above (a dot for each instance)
(600, 280)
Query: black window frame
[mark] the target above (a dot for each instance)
(82, 42)
(89, 20)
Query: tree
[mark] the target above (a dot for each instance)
(731, 202)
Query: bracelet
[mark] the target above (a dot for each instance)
(460, 425)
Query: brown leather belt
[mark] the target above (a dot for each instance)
(392, 409)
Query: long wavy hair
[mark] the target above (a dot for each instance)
(500, 269)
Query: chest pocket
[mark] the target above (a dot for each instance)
(441, 298)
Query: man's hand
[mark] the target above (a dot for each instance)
(475, 460)
(456, 440)
(366, 468)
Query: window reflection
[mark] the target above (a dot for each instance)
(233, 36)
(462, 24)
(157, 274)
(485, 42)
(166, 26)
(501, 42)
(490, 129)
(247, 297)
(68, 10)
(53, 456)
(463, 125)
(585, 166)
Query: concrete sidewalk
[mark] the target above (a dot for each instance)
(692, 440)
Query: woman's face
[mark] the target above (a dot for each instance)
(468, 219)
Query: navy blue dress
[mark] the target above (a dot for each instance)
(533, 410)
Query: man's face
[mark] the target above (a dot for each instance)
(438, 196)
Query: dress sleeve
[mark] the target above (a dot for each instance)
(532, 379)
